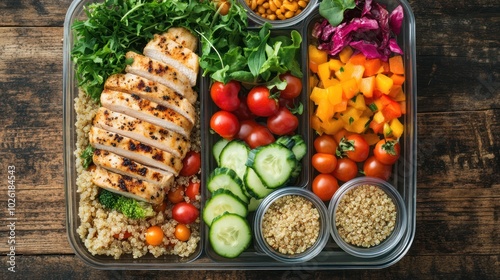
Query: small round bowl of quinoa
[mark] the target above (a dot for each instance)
(368, 217)
(291, 225)
(279, 13)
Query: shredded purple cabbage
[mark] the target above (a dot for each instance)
(369, 29)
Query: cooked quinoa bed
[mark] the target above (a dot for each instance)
(365, 216)
(102, 231)
(291, 224)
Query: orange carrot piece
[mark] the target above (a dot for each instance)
(358, 59)
(398, 79)
(396, 65)
(371, 67)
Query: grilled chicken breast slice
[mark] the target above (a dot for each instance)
(153, 91)
(125, 166)
(145, 132)
(183, 37)
(133, 149)
(128, 186)
(149, 111)
(160, 72)
(175, 55)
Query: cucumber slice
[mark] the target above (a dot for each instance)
(217, 148)
(254, 204)
(254, 185)
(286, 141)
(223, 201)
(273, 163)
(230, 235)
(225, 178)
(234, 156)
(299, 148)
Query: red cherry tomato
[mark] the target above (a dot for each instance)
(283, 122)
(346, 169)
(374, 168)
(246, 127)
(293, 86)
(325, 186)
(193, 190)
(191, 164)
(185, 213)
(225, 124)
(325, 144)
(261, 103)
(260, 136)
(243, 113)
(225, 96)
(288, 103)
(387, 151)
(324, 163)
(176, 195)
(354, 147)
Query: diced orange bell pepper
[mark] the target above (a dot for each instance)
(359, 125)
(313, 66)
(395, 91)
(324, 72)
(396, 65)
(335, 64)
(358, 59)
(372, 66)
(325, 110)
(377, 127)
(345, 54)
(316, 55)
(342, 106)
(316, 124)
(334, 94)
(332, 126)
(391, 111)
(371, 138)
(350, 88)
(397, 79)
(357, 102)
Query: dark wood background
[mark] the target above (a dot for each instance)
(458, 195)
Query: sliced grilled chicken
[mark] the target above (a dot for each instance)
(145, 132)
(153, 91)
(175, 55)
(183, 37)
(160, 72)
(128, 186)
(137, 107)
(128, 167)
(133, 149)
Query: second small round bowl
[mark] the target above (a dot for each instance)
(310, 252)
(280, 23)
(391, 240)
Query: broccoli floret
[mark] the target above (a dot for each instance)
(128, 206)
(86, 156)
(108, 199)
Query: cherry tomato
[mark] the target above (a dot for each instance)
(354, 147)
(325, 186)
(324, 163)
(283, 122)
(243, 113)
(176, 195)
(387, 151)
(261, 103)
(154, 235)
(225, 96)
(346, 169)
(193, 190)
(374, 168)
(225, 124)
(325, 144)
(260, 136)
(293, 86)
(185, 213)
(341, 134)
(288, 103)
(182, 232)
(191, 164)
(246, 127)
(160, 207)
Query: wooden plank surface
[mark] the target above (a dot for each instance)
(458, 193)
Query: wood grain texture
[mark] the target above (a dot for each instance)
(458, 195)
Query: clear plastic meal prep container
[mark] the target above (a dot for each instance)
(331, 257)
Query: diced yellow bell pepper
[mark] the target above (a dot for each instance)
(342, 106)
(379, 117)
(316, 124)
(317, 95)
(395, 91)
(396, 127)
(359, 125)
(330, 82)
(383, 83)
(400, 97)
(335, 64)
(357, 102)
(350, 115)
(332, 126)
(317, 56)
(350, 88)
(357, 72)
(324, 72)
(367, 85)
(345, 54)
(334, 94)
(325, 110)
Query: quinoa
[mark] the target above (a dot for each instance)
(105, 232)
(365, 216)
(291, 224)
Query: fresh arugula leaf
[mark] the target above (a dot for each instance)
(333, 10)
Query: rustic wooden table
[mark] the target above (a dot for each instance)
(458, 195)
